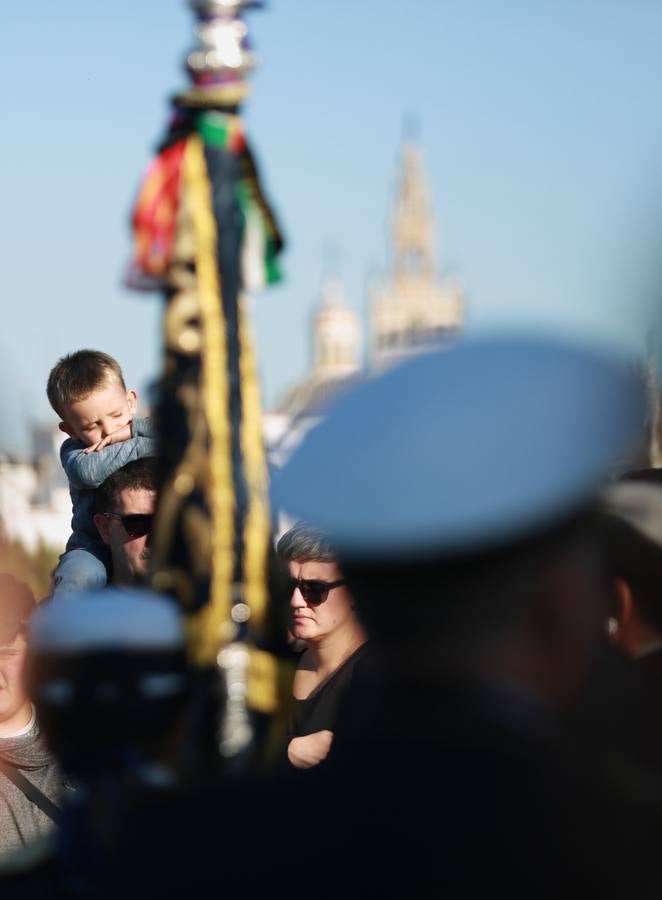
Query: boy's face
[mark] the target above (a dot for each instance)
(103, 411)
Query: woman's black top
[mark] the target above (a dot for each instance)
(319, 711)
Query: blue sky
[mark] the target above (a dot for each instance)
(540, 127)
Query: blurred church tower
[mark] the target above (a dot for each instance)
(336, 334)
(414, 310)
(336, 353)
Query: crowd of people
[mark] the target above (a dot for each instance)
(475, 603)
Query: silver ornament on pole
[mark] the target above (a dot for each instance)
(223, 58)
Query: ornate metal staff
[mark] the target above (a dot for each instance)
(204, 234)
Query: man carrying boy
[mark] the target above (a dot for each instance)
(87, 390)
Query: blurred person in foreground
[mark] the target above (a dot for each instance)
(324, 617)
(464, 524)
(30, 781)
(110, 683)
(123, 515)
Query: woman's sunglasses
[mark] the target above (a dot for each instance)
(135, 524)
(313, 591)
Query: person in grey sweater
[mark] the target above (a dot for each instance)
(30, 780)
(87, 390)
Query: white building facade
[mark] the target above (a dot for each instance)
(35, 506)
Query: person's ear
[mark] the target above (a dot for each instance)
(624, 607)
(103, 527)
(67, 430)
(132, 400)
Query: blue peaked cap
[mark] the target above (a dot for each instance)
(463, 450)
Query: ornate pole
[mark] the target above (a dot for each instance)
(204, 234)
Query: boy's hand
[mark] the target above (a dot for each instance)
(122, 434)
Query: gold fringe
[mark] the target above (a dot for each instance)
(205, 627)
(257, 527)
(262, 693)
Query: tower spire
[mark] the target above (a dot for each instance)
(412, 224)
(414, 310)
(411, 127)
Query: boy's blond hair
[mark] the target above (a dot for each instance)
(76, 375)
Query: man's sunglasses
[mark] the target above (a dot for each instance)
(313, 591)
(135, 524)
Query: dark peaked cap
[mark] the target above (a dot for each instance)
(463, 450)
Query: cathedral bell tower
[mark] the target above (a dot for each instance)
(414, 310)
(413, 228)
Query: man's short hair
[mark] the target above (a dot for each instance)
(17, 604)
(138, 475)
(76, 375)
(303, 542)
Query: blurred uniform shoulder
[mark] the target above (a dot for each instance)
(31, 872)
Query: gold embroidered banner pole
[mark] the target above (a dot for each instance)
(204, 235)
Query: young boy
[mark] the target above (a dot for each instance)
(86, 389)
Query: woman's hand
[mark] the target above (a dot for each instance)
(310, 749)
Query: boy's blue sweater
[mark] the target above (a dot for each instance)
(86, 471)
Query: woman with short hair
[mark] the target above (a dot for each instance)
(323, 617)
